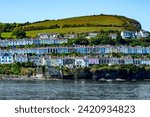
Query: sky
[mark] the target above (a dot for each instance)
(21, 11)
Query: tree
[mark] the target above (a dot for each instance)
(19, 33)
(81, 41)
(78, 41)
(119, 40)
(1, 27)
(95, 41)
(61, 35)
(0, 36)
(15, 68)
(6, 27)
(28, 64)
(105, 39)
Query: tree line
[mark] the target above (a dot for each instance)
(9, 27)
(89, 25)
(16, 68)
(30, 28)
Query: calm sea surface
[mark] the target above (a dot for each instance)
(73, 90)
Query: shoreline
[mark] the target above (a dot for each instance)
(17, 77)
(24, 78)
(34, 78)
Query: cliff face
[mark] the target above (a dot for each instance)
(130, 24)
(114, 74)
(108, 74)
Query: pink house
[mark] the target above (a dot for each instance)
(93, 61)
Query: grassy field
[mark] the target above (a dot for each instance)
(95, 20)
(65, 30)
(6, 35)
(99, 19)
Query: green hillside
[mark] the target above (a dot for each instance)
(102, 20)
(82, 24)
(95, 20)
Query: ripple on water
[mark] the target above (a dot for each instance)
(73, 90)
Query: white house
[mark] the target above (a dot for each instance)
(81, 62)
(142, 34)
(128, 60)
(113, 61)
(113, 36)
(60, 41)
(53, 62)
(145, 62)
(137, 61)
(128, 34)
(46, 36)
(70, 36)
(91, 35)
(6, 58)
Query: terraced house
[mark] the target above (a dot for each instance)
(37, 41)
(70, 62)
(6, 58)
(21, 58)
(99, 50)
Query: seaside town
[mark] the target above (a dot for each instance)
(51, 55)
(88, 55)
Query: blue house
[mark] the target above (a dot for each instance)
(4, 43)
(81, 50)
(101, 50)
(21, 58)
(35, 60)
(36, 41)
(62, 50)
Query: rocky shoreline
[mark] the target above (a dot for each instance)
(16, 77)
(98, 75)
(114, 75)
